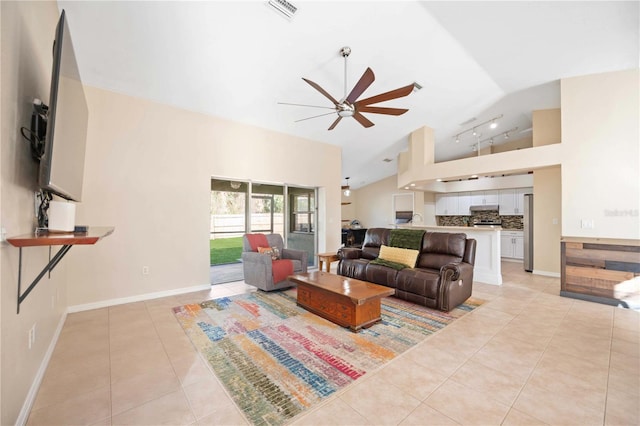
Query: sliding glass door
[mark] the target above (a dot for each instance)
(240, 207)
(228, 223)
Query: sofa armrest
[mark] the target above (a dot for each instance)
(256, 258)
(256, 268)
(300, 255)
(456, 282)
(457, 270)
(349, 253)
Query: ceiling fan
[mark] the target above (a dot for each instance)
(349, 106)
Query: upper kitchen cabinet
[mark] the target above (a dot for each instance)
(464, 202)
(512, 201)
(483, 198)
(447, 204)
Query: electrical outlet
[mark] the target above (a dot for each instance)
(587, 223)
(145, 270)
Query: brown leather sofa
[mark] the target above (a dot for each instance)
(443, 275)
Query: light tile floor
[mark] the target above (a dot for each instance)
(527, 356)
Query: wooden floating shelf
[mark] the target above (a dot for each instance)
(64, 239)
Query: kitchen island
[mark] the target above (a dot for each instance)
(487, 266)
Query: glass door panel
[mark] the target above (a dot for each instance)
(227, 225)
(267, 209)
(302, 221)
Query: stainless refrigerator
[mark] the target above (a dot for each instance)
(528, 232)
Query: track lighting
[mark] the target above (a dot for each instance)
(493, 123)
(506, 134)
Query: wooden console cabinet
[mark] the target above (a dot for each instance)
(599, 269)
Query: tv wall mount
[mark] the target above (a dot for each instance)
(35, 135)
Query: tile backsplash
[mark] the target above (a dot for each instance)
(508, 222)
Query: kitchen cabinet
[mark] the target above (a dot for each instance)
(512, 244)
(447, 204)
(464, 202)
(482, 198)
(512, 201)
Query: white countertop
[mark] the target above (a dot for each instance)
(490, 228)
(487, 268)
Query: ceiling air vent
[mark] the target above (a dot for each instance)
(283, 7)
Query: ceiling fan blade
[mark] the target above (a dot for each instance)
(335, 123)
(315, 116)
(362, 120)
(321, 90)
(382, 110)
(387, 96)
(304, 105)
(362, 85)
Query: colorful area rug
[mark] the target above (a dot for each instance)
(277, 360)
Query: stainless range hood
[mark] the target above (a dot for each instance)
(484, 208)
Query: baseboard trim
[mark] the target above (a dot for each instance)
(137, 298)
(547, 273)
(23, 416)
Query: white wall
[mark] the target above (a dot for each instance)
(148, 170)
(601, 155)
(373, 203)
(27, 31)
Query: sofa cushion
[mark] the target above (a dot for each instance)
(419, 281)
(399, 255)
(374, 238)
(382, 275)
(440, 248)
(353, 268)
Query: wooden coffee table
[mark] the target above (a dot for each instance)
(345, 301)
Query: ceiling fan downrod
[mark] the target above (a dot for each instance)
(345, 52)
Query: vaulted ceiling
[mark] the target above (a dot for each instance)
(239, 59)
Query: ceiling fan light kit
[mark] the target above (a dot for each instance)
(350, 106)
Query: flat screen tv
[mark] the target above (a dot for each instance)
(62, 165)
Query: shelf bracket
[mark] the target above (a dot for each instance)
(48, 268)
